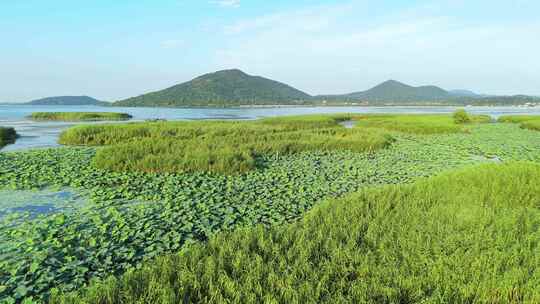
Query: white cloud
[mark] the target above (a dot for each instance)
(227, 3)
(341, 48)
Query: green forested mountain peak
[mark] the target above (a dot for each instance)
(221, 88)
(67, 101)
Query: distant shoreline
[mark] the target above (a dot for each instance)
(282, 106)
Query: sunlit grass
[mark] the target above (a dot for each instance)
(136, 217)
(531, 125)
(518, 118)
(470, 236)
(78, 116)
(417, 123)
(530, 122)
(218, 146)
(233, 147)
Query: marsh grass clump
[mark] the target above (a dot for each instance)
(79, 116)
(234, 147)
(467, 236)
(134, 217)
(230, 153)
(416, 123)
(531, 125)
(517, 118)
(218, 146)
(461, 117)
(7, 136)
(530, 122)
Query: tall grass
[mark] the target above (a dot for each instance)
(518, 118)
(530, 122)
(7, 136)
(229, 153)
(232, 147)
(417, 123)
(471, 236)
(217, 146)
(79, 116)
(531, 125)
(461, 116)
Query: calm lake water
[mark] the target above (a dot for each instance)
(45, 134)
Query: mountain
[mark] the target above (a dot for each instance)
(395, 91)
(222, 88)
(463, 93)
(68, 101)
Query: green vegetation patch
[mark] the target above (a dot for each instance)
(530, 122)
(461, 117)
(133, 217)
(417, 123)
(79, 116)
(7, 136)
(235, 147)
(531, 125)
(218, 146)
(471, 236)
(518, 118)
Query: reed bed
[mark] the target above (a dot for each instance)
(79, 116)
(233, 147)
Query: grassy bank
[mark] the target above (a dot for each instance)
(79, 116)
(7, 136)
(234, 147)
(466, 237)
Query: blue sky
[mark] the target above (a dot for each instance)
(117, 49)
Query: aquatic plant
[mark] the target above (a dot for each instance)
(531, 125)
(223, 147)
(461, 117)
(531, 122)
(233, 147)
(416, 123)
(133, 217)
(79, 116)
(7, 136)
(517, 118)
(467, 236)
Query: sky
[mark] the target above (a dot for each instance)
(117, 49)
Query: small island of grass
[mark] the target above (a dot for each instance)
(7, 136)
(530, 122)
(79, 116)
(234, 147)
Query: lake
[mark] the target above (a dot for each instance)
(45, 134)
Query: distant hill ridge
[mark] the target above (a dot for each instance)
(230, 88)
(393, 90)
(235, 88)
(68, 101)
(464, 93)
(222, 88)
